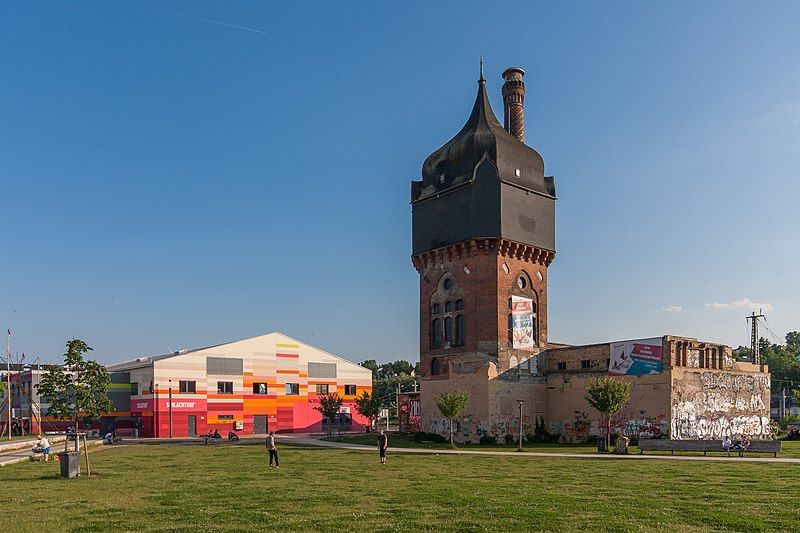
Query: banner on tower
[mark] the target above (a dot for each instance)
(522, 323)
(635, 358)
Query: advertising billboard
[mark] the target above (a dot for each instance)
(522, 323)
(635, 358)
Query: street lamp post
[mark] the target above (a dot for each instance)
(520, 402)
(170, 408)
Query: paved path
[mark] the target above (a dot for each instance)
(25, 454)
(312, 441)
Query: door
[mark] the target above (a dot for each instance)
(192, 425)
(259, 424)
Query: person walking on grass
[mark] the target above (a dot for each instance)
(383, 443)
(273, 451)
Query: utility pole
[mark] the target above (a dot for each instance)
(8, 381)
(754, 336)
(783, 403)
(520, 402)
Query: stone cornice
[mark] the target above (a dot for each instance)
(474, 247)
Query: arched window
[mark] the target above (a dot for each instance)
(448, 307)
(459, 305)
(437, 309)
(510, 327)
(461, 329)
(448, 329)
(436, 333)
(448, 284)
(436, 367)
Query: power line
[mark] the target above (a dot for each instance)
(780, 341)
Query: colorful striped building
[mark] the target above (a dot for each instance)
(250, 386)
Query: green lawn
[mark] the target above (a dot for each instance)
(229, 487)
(789, 448)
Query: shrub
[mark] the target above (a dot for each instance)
(423, 436)
(489, 440)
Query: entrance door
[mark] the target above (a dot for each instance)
(192, 425)
(259, 424)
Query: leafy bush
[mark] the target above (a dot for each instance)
(423, 436)
(489, 440)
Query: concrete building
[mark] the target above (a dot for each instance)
(483, 225)
(250, 386)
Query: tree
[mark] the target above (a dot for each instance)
(369, 406)
(78, 389)
(329, 406)
(608, 395)
(371, 364)
(793, 343)
(450, 404)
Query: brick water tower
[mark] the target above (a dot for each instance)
(483, 220)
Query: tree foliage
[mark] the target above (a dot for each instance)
(329, 406)
(79, 389)
(608, 395)
(388, 377)
(369, 406)
(450, 404)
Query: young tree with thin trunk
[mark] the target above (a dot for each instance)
(369, 406)
(78, 389)
(608, 395)
(329, 406)
(450, 404)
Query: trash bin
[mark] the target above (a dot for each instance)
(70, 464)
(601, 444)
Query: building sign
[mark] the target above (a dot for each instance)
(522, 323)
(635, 358)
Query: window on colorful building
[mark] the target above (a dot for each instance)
(225, 387)
(322, 389)
(292, 389)
(349, 390)
(259, 388)
(224, 417)
(189, 387)
(134, 388)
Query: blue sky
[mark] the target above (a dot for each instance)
(175, 182)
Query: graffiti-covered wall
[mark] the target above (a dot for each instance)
(710, 404)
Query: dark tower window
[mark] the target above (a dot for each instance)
(436, 367)
(510, 327)
(448, 284)
(448, 307)
(448, 329)
(436, 333)
(459, 305)
(437, 309)
(461, 329)
(522, 282)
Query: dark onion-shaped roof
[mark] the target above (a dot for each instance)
(482, 134)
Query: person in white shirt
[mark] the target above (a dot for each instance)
(726, 443)
(44, 444)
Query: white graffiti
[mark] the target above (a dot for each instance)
(687, 424)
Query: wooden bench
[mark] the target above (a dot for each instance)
(705, 446)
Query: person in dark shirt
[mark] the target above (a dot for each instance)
(383, 443)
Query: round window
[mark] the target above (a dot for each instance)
(522, 282)
(448, 284)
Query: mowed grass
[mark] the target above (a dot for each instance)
(790, 449)
(230, 487)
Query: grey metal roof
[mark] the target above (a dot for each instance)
(454, 164)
